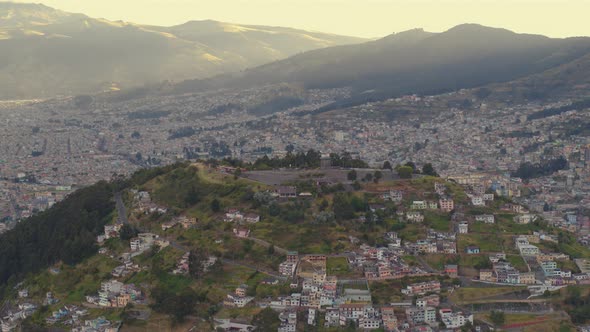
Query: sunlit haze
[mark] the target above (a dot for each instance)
(364, 18)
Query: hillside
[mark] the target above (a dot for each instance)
(237, 233)
(417, 62)
(570, 80)
(47, 52)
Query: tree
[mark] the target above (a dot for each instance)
(135, 135)
(352, 175)
(177, 305)
(196, 263)
(237, 173)
(266, 320)
(215, 205)
(405, 172)
(467, 327)
(497, 318)
(377, 176)
(271, 250)
(342, 205)
(127, 232)
(387, 165)
(290, 148)
(356, 185)
(428, 169)
(412, 165)
(368, 177)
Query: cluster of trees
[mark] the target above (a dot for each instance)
(408, 169)
(346, 205)
(529, 170)
(580, 305)
(65, 233)
(497, 318)
(181, 188)
(309, 159)
(346, 161)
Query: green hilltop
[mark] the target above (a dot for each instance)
(331, 219)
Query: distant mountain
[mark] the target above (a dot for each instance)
(47, 52)
(416, 61)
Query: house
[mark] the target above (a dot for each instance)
(187, 222)
(422, 288)
(486, 275)
(463, 228)
(234, 215)
(452, 270)
(527, 278)
(376, 207)
(419, 205)
(168, 225)
(550, 269)
(293, 257)
(477, 201)
(393, 195)
(252, 218)
(286, 192)
(241, 232)
(446, 204)
(237, 301)
(454, 320)
(428, 301)
(390, 322)
(227, 325)
(440, 188)
(472, 250)
(525, 218)
(432, 205)
(528, 250)
(287, 268)
(356, 295)
(111, 231)
(415, 216)
(486, 218)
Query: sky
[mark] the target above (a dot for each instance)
(363, 18)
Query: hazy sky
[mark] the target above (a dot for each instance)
(366, 18)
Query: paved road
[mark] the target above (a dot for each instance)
(121, 210)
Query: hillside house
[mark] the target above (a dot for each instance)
(486, 218)
(446, 204)
(415, 216)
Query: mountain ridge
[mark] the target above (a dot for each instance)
(414, 62)
(52, 52)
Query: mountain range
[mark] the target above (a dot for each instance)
(421, 62)
(47, 52)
